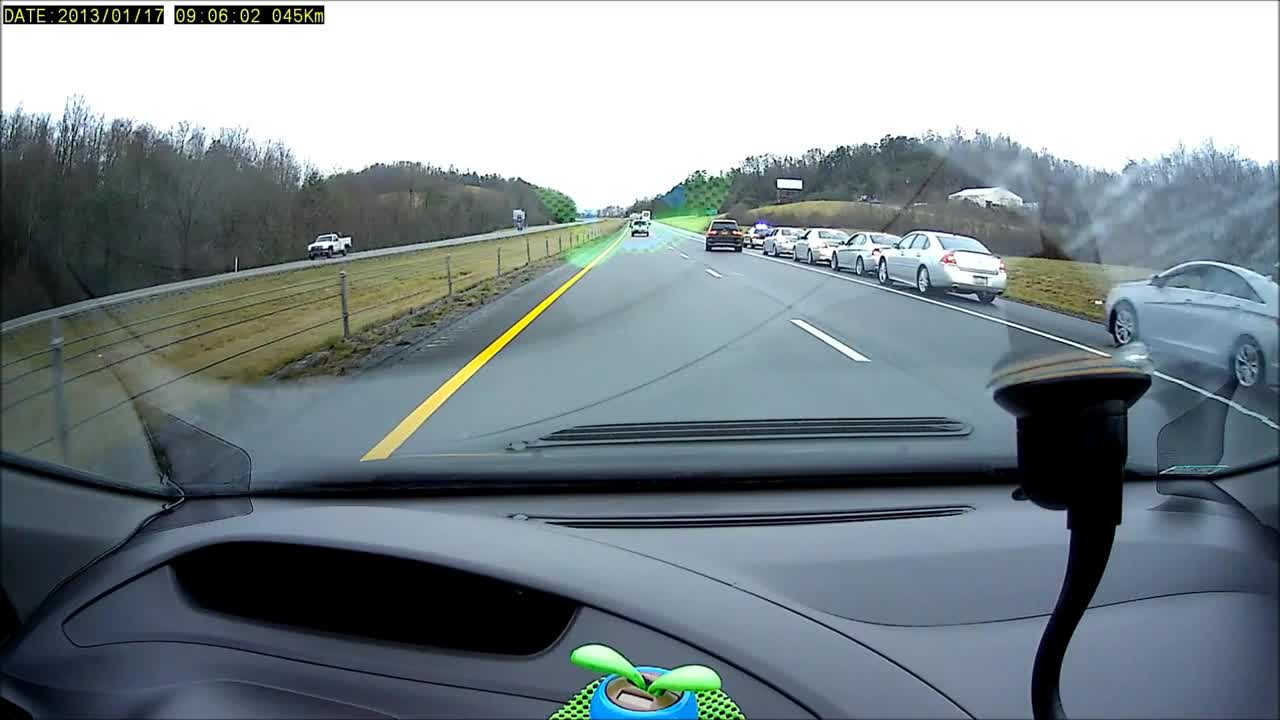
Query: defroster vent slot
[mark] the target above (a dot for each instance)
(749, 520)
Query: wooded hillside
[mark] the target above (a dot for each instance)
(94, 206)
(1189, 204)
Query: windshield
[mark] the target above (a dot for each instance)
(485, 278)
(957, 242)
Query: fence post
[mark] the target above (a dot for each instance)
(237, 264)
(560, 242)
(528, 256)
(342, 287)
(499, 261)
(546, 247)
(59, 400)
(448, 273)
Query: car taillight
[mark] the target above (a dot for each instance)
(875, 251)
(949, 259)
(1002, 266)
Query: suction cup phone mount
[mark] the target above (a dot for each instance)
(1073, 441)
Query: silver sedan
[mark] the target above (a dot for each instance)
(861, 253)
(781, 241)
(930, 260)
(1209, 314)
(817, 245)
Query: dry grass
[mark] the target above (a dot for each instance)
(693, 223)
(1071, 287)
(263, 324)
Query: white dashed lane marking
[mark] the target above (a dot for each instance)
(839, 347)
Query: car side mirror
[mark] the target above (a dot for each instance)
(1157, 281)
(897, 246)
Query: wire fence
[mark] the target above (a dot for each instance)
(368, 292)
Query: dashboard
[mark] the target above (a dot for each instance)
(903, 602)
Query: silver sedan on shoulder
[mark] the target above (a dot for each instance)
(861, 253)
(817, 245)
(1209, 314)
(930, 261)
(781, 241)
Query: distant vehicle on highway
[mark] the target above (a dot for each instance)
(646, 215)
(640, 227)
(933, 261)
(861, 253)
(817, 245)
(517, 219)
(328, 245)
(723, 233)
(1207, 313)
(754, 237)
(781, 241)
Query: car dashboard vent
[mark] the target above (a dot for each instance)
(747, 519)
(791, 429)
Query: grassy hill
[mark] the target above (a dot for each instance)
(1005, 232)
(561, 207)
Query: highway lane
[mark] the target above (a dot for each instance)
(679, 334)
(140, 293)
(660, 330)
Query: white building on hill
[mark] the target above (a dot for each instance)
(986, 197)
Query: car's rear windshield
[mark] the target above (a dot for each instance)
(885, 239)
(960, 242)
(832, 235)
(724, 225)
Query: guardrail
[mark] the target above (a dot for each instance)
(365, 296)
(128, 296)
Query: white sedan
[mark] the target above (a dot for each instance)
(1207, 313)
(818, 245)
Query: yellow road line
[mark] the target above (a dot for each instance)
(415, 419)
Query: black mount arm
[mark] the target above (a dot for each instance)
(1072, 415)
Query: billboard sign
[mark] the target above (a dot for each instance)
(789, 184)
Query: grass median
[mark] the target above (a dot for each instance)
(1066, 286)
(179, 349)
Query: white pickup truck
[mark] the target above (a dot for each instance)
(328, 245)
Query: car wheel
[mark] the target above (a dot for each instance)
(882, 274)
(923, 285)
(811, 259)
(1247, 362)
(835, 262)
(1124, 324)
(986, 298)
(737, 248)
(706, 247)
(858, 267)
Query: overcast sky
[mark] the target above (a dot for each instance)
(610, 101)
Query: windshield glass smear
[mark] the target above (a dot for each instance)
(212, 284)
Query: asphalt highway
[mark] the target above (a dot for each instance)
(656, 329)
